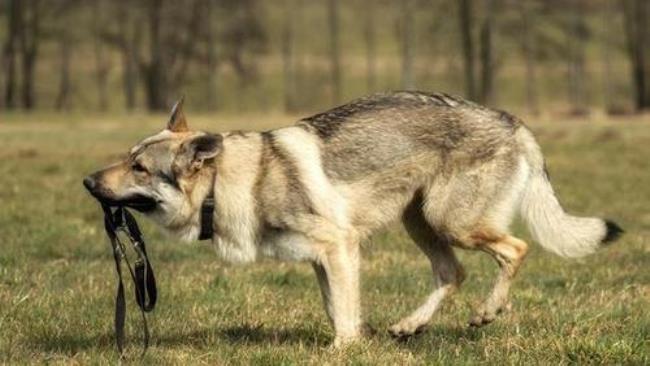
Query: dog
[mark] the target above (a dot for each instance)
(454, 172)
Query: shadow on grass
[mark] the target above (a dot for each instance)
(245, 334)
(441, 335)
(259, 335)
(71, 344)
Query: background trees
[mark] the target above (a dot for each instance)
(637, 33)
(536, 55)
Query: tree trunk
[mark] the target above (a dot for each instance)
(130, 70)
(636, 13)
(29, 49)
(407, 44)
(63, 97)
(175, 67)
(335, 62)
(576, 61)
(370, 40)
(130, 59)
(211, 58)
(9, 54)
(102, 65)
(155, 77)
(606, 45)
(465, 10)
(529, 50)
(287, 58)
(102, 68)
(486, 58)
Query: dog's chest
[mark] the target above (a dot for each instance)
(287, 246)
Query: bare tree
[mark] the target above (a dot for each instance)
(486, 57)
(577, 35)
(528, 47)
(335, 62)
(369, 35)
(154, 70)
(102, 64)
(211, 56)
(126, 38)
(637, 30)
(65, 85)
(299, 56)
(59, 17)
(287, 56)
(29, 44)
(465, 20)
(10, 54)
(406, 42)
(172, 31)
(607, 43)
(243, 38)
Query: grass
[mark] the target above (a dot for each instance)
(57, 279)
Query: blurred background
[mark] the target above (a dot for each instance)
(531, 56)
(82, 80)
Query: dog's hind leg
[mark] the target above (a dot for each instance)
(509, 252)
(448, 273)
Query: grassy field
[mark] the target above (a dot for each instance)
(57, 278)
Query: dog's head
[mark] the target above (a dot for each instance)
(165, 176)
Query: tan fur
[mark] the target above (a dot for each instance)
(452, 171)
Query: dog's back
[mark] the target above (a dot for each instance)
(375, 133)
(387, 148)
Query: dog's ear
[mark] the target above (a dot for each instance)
(177, 121)
(194, 152)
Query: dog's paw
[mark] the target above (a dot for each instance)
(343, 341)
(405, 329)
(485, 316)
(482, 318)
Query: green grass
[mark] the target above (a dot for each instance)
(57, 278)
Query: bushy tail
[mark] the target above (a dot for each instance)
(555, 230)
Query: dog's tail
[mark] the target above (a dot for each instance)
(554, 229)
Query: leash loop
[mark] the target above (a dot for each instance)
(141, 272)
(146, 293)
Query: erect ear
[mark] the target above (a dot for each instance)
(177, 121)
(197, 150)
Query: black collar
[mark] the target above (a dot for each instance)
(207, 218)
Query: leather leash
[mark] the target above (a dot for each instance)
(142, 274)
(146, 293)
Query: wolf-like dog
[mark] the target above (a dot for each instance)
(455, 173)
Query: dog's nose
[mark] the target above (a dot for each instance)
(90, 183)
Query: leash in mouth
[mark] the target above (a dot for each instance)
(141, 273)
(120, 220)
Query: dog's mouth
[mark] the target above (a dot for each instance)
(138, 202)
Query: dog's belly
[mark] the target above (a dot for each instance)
(288, 246)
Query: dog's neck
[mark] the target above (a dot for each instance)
(196, 222)
(236, 220)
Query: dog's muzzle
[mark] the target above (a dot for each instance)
(90, 183)
(137, 202)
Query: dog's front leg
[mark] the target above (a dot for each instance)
(324, 285)
(338, 276)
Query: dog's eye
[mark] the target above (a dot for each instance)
(137, 167)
